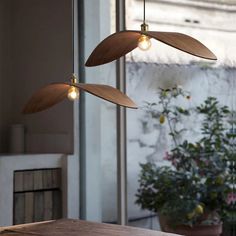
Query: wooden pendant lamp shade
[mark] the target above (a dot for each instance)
(119, 44)
(54, 93)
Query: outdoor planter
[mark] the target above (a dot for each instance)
(200, 230)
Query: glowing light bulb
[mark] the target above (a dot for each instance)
(73, 93)
(144, 42)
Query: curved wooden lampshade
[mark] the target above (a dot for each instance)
(54, 93)
(119, 44)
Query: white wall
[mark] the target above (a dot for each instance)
(40, 33)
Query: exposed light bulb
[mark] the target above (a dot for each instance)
(73, 93)
(144, 42)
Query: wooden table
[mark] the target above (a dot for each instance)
(69, 227)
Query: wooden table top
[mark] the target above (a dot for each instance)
(71, 227)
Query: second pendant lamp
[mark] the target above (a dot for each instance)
(120, 43)
(54, 93)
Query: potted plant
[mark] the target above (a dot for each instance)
(229, 210)
(189, 193)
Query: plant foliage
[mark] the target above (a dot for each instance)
(198, 186)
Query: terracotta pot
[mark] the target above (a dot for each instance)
(199, 230)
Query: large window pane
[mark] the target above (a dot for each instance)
(164, 67)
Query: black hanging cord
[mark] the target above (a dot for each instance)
(144, 12)
(73, 36)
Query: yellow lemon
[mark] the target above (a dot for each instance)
(162, 119)
(199, 209)
(164, 93)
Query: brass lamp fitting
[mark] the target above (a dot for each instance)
(144, 27)
(73, 79)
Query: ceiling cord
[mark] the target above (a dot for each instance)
(73, 35)
(144, 12)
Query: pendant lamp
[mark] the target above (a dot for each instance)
(120, 43)
(54, 93)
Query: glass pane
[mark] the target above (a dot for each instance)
(101, 146)
(167, 84)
